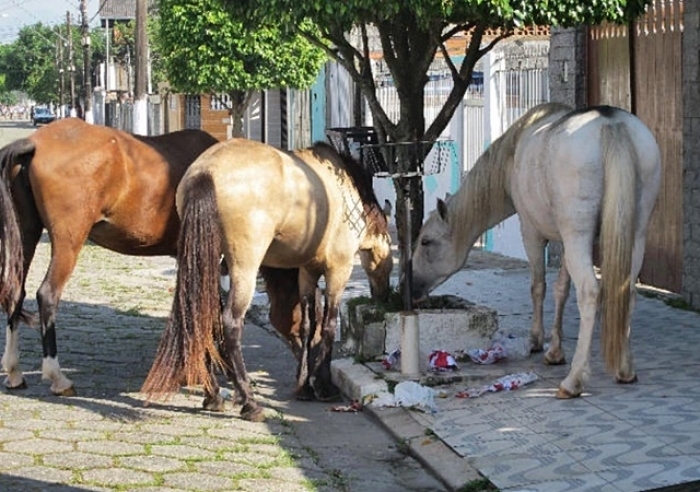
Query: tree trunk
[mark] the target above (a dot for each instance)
(239, 105)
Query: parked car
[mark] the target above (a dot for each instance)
(42, 116)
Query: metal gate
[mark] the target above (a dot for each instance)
(193, 112)
(639, 68)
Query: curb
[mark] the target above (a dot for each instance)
(357, 381)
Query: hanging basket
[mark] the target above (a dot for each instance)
(406, 159)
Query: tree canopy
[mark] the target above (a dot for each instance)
(411, 34)
(31, 63)
(204, 49)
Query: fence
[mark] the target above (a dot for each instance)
(508, 81)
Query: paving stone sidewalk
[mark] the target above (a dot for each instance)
(105, 439)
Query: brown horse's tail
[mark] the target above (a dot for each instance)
(189, 341)
(618, 220)
(11, 251)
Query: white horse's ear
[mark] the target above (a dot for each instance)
(442, 209)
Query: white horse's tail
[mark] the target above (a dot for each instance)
(618, 219)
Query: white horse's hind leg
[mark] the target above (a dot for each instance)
(10, 360)
(625, 373)
(587, 290)
(555, 354)
(60, 384)
(534, 248)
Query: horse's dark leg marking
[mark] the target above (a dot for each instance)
(48, 297)
(324, 388)
(233, 333)
(213, 401)
(303, 390)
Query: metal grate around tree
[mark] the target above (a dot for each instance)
(406, 159)
(403, 162)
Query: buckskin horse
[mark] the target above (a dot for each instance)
(586, 178)
(82, 181)
(303, 214)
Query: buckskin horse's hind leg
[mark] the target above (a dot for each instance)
(233, 318)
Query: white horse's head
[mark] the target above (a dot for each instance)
(436, 254)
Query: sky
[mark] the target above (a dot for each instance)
(17, 13)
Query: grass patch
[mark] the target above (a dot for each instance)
(673, 301)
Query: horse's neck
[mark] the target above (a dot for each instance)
(483, 201)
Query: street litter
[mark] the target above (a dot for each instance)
(392, 360)
(441, 360)
(354, 407)
(509, 346)
(408, 394)
(506, 383)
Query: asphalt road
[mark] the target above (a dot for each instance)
(105, 439)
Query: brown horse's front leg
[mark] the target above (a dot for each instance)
(233, 333)
(303, 390)
(213, 401)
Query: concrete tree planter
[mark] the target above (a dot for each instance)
(451, 323)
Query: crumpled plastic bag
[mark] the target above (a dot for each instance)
(408, 394)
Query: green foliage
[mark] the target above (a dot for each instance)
(204, 49)
(431, 13)
(31, 63)
(410, 34)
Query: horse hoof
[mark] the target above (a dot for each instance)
(305, 393)
(12, 387)
(213, 404)
(70, 391)
(252, 413)
(554, 361)
(328, 396)
(565, 394)
(628, 380)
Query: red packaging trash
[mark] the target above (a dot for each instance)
(391, 360)
(506, 383)
(442, 361)
(489, 356)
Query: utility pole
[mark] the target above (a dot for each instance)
(87, 86)
(141, 94)
(71, 67)
(61, 74)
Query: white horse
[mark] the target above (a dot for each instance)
(579, 177)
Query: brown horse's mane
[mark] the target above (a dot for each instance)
(362, 181)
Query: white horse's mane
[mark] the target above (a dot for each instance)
(482, 200)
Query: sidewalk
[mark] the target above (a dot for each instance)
(615, 438)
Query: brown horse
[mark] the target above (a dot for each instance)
(301, 215)
(82, 181)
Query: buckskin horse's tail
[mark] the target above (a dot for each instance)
(618, 222)
(11, 251)
(189, 341)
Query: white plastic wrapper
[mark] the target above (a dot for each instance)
(409, 394)
(506, 383)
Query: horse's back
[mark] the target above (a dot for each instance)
(558, 176)
(119, 187)
(291, 200)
